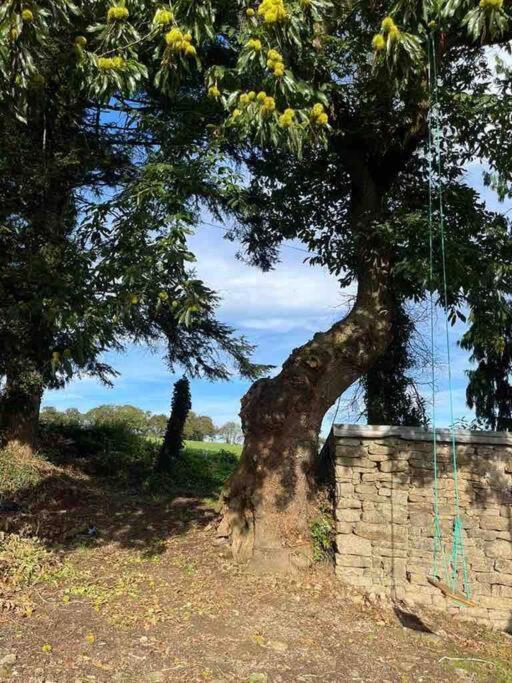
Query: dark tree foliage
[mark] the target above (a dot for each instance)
(173, 439)
(390, 394)
(489, 339)
(94, 223)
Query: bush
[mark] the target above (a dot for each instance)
(108, 450)
(114, 452)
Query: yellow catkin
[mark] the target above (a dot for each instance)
(491, 4)
(387, 24)
(163, 17)
(272, 11)
(254, 44)
(378, 42)
(117, 13)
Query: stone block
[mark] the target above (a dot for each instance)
(402, 454)
(365, 489)
(499, 549)
(376, 532)
(422, 543)
(372, 517)
(422, 595)
(385, 491)
(376, 476)
(501, 591)
(503, 579)
(500, 620)
(346, 441)
(348, 515)
(362, 466)
(504, 566)
(484, 534)
(422, 464)
(377, 457)
(505, 535)
(494, 522)
(353, 545)
(471, 613)
(343, 489)
(350, 502)
(351, 571)
(479, 563)
(419, 495)
(344, 527)
(346, 450)
(349, 460)
(394, 466)
(421, 519)
(495, 603)
(399, 550)
(489, 512)
(376, 516)
(396, 485)
(377, 449)
(353, 560)
(344, 473)
(399, 497)
(392, 566)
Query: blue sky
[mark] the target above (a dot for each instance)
(276, 311)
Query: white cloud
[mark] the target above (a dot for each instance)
(294, 296)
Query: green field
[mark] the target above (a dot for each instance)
(209, 447)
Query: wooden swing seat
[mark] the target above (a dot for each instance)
(448, 593)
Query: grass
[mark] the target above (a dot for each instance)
(202, 470)
(19, 470)
(209, 447)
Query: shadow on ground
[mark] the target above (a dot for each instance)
(70, 506)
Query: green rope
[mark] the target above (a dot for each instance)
(458, 561)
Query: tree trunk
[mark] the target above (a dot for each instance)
(270, 498)
(20, 403)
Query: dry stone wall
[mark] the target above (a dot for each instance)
(384, 516)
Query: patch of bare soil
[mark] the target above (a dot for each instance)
(130, 589)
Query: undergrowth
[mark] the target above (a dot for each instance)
(19, 470)
(25, 561)
(321, 528)
(126, 460)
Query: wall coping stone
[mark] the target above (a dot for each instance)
(351, 431)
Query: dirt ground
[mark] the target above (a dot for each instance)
(132, 589)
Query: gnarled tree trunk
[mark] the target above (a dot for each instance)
(269, 499)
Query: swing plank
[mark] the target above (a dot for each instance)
(448, 593)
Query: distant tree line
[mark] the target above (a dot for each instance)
(144, 423)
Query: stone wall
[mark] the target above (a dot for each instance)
(384, 519)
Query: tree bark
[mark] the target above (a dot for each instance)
(20, 404)
(269, 500)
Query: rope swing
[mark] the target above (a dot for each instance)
(449, 572)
